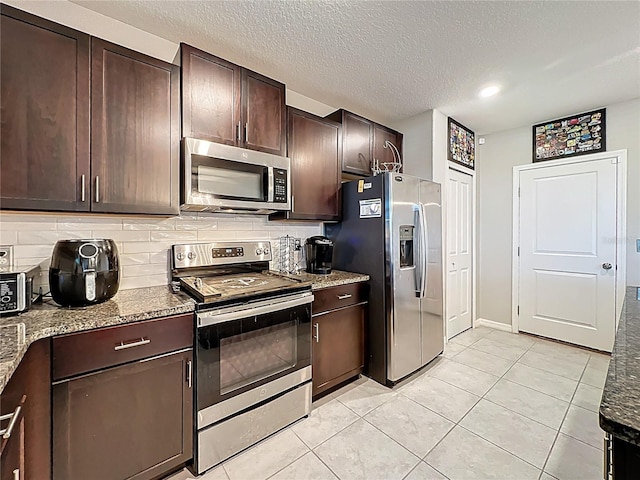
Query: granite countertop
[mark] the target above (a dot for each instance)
(620, 406)
(48, 319)
(334, 279)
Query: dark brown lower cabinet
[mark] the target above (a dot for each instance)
(623, 460)
(338, 341)
(129, 421)
(25, 408)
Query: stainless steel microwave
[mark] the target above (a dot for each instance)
(223, 178)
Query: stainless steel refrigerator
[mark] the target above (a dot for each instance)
(391, 229)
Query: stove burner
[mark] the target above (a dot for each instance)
(244, 282)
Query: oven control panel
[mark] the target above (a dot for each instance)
(219, 253)
(227, 252)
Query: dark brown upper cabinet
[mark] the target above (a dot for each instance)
(44, 152)
(380, 136)
(135, 152)
(86, 125)
(363, 141)
(314, 145)
(226, 103)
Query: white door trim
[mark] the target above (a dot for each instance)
(621, 217)
(474, 256)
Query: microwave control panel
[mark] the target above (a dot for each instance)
(280, 185)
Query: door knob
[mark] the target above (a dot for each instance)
(607, 266)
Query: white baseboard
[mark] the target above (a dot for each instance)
(483, 322)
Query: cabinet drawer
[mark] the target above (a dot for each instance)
(83, 352)
(336, 297)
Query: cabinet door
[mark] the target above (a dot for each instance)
(314, 146)
(210, 97)
(338, 346)
(380, 136)
(357, 136)
(135, 157)
(44, 80)
(263, 113)
(28, 449)
(133, 421)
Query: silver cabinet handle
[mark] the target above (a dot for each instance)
(238, 131)
(189, 373)
(16, 474)
(82, 190)
(6, 433)
(607, 266)
(97, 189)
(345, 296)
(316, 326)
(246, 132)
(122, 346)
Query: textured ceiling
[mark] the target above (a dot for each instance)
(389, 60)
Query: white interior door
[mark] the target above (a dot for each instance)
(568, 252)
(459, 261)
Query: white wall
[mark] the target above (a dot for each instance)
(417, 144)
(495, 161)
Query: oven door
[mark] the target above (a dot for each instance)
(244, 347)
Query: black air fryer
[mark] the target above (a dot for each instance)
(319, 253)
(84, 272)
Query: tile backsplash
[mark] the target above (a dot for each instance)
(143, 242)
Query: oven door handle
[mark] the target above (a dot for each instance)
(211, 318)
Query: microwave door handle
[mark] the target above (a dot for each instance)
(270, 181)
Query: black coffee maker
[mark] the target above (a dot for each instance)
(319, 253)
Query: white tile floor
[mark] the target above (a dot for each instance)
(494, 406)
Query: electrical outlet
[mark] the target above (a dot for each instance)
(6, 257)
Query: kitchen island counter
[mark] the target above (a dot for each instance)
(620, 406)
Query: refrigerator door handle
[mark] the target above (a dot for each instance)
(417, 239)
(424, 247)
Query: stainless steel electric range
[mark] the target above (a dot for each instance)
(253, 346)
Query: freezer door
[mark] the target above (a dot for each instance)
(432, 325)
(403, 256)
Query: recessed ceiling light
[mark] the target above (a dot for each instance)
(489, 91)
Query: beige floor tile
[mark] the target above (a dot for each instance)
(424, 471)
(216, 473)
(465, 377)
(583, 425)
(362, 452)
(266, 458)
(463, 455)
(519, 340)
(558, 366)
(561, 351)
(599, 361)
(471, 336)
(588, 397)
(449, 401)
(532, 404)
(413, 426)
(484, 361)
(554, 385)
(308, 467)
(594, 376)
(452, 349)
(323, 423)
(521, 436)
(572, 459)
(365, 397)
(499, 349)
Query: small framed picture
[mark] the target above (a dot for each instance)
(570, 136)
(462, 144)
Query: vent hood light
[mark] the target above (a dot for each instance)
(489, 91)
